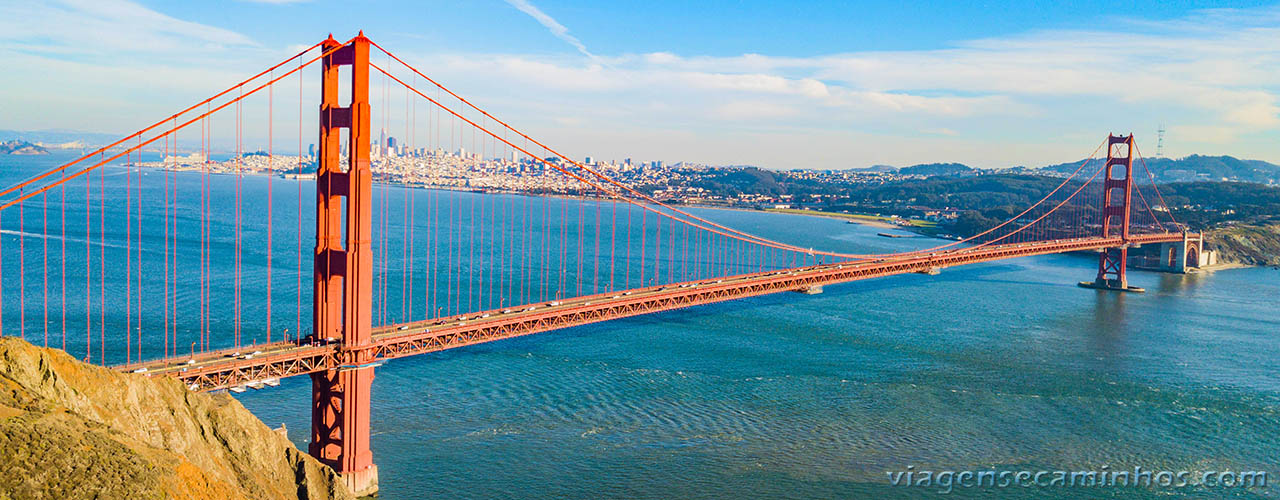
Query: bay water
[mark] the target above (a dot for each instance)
(999, 366)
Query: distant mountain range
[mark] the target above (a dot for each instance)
(1191, 168)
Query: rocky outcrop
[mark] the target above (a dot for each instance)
(72, 430)
(1257, 245)
(21, 148)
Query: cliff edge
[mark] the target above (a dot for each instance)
(1252, 244)
(72, 430)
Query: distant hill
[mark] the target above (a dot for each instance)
(879, 169)
(21, 148)
(932, 169)
(923, 169)
(1199, 168)
(750, 180)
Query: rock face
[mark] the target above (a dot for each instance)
(72, 430)
(1257, 245)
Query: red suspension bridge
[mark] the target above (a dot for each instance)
(195, 270)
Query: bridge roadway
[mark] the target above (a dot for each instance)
(233, 368)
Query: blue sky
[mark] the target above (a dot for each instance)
(778, 84)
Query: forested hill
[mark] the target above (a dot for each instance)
(1198, 168)
(932, 169)
(1200, 204)
(1242, 219)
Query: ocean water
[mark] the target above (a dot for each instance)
(1006, 366)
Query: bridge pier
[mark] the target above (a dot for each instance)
(1111, 272)
(1181, 256)
(1117, 192)
(340, 426)
(344, 273)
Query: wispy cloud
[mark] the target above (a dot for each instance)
(1210, 77)
(99, 26)
(109, 65)
(551, 24)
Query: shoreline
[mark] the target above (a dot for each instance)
(1224, 266)
(866, 220)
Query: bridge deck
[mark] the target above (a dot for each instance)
(230, 368)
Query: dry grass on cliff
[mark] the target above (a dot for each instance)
(70, 430)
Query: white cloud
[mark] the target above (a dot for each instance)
(551, 24)
(114, 66)
(1212, 72)
(754, 110)
(77, 27)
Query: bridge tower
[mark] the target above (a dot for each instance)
(344, 272)
(1117, 191)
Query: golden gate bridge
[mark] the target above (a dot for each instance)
(470, 269)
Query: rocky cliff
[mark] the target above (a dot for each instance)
(21, 148)
(71, 430)
(1257, 245)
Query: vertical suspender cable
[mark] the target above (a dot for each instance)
(102, 267)
(546, 245)
(167, 207)
(643, 232)
(478, 293)
(613, 233)
(44, 254)
(564, 249)
(88, 236)
(578, 277)
(2, 278)
(271, 207)
(298, 180)
(595, 279)
(139, 261)
(657, 252)
(22, 263)
(62, 209)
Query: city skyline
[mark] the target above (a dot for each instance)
(988, 94)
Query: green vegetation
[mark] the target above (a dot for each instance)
(1210, 204)
(734, 182)
(1240, 218)
(915, 223)
(932, 169)
(1198, 167)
